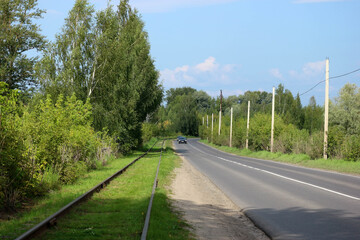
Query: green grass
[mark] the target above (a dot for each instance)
(116, 212)
(337, 165)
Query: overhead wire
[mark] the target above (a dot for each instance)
(342, 75)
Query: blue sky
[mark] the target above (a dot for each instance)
(240, 45)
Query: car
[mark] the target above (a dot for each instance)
(182, 140)
(177, 139)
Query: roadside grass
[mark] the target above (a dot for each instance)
(338, 165)
(49, 204)
(116, 212)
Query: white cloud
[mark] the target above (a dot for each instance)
(207, 66)
(155, 6)
(184, 68)
(205, 75)
(314, 68)
(310, 69)
(315, 1)
(275, 72)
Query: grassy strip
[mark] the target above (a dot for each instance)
(337, 165)
(119, 210)
(51, 203)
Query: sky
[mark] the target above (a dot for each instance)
(241, 45)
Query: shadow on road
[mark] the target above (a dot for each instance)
(303, 223)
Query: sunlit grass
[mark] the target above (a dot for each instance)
(338, 165)
(116, 212)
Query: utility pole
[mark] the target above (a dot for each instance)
(203, 121)
(231, 121)
(326, 120)
(212, 126)
(221, 100)
(219, 122)
(247, 126)
(207, 126)
(272, 121)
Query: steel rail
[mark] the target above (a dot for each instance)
(52, 220)
(148, 213)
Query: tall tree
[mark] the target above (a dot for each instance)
(18, 35)
(107, 59)
(130, 89)
(172, 93)
(314, 119)
(345, 111)
(182, 113)
(69, 64)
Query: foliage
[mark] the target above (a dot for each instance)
(15, 173)
(106, 58)
(182, 113)
(345, 111)
(18, 35)
(260, 131)
(351, 148)
(60, 135)
(50, 137)
(314, 118)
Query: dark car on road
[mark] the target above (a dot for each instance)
(182, 140)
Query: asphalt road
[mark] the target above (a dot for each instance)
(285, 201)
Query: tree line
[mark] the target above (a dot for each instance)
(82, 101)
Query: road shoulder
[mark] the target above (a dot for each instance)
(204, 206)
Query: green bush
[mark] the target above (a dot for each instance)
(351, 148)
(260, 131)
(291, 140)
(16, 176)
(315, 145)
(44, 144)
(336, 139)
(59, 135)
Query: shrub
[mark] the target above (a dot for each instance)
(291, 140)
(16, 178)
(351, 148)
(260, 131)
(315, 145)
(335, 140)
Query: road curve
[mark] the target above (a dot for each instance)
(286, 201)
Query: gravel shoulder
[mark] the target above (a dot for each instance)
(205, 207)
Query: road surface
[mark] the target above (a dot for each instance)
(285, 201)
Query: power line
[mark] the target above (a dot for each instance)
(342, 75)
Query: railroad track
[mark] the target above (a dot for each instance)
(53, 219)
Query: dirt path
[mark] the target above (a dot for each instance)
(207, 209)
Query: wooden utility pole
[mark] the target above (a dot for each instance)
(203, 121)
(247, 126)
(207, 121)
(221, 100)
(231, 121)
(272, 121)
(212, 126)
(219, 122)
(326, 120)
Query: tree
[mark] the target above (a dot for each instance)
(106, 59)
(172, 93)
(345, 111)
(69, 65)
(129, 89)
(18, 35)
(182, 113)
(313, 116)
(203, 101)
